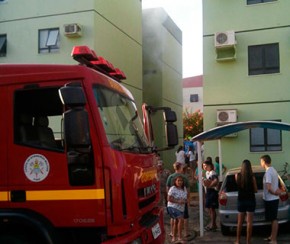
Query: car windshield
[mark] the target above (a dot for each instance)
(231, 184)
(120, 119)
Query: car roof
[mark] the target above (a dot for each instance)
(255, 168)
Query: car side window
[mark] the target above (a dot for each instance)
(259, 179)
(231, 184)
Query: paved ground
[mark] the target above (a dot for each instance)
(216, 237)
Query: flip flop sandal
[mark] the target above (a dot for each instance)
(207, 228)
(267, 239)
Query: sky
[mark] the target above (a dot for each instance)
(187, 15)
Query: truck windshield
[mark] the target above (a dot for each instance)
(120, 119)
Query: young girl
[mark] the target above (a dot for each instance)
(177, 197)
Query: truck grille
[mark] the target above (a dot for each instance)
(147, 195)
(146, 202)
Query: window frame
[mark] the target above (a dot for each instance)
(264, 59)
(265, 146)
(193, 98)
(26, 132)
(3, 46)
(47, 43)
(251, 2)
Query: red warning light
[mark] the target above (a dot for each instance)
(104, 64)
(118, 74)
(84, 55)
(83, 52)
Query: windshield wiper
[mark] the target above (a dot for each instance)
(131, 148)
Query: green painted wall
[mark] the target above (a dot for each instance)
(227, 85)
(162, 67)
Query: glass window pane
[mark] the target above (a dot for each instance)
(52, 38)
(257, 136)
(255, 57)
(273, 137)
(43, 34)
(259, 1)
(253, 1)
(2, 41)
(274, 148)
(272, 56)
(258, 149)
(3, 44)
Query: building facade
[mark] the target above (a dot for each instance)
(46, 31)
(162, 69)
(246, 52)
(193, 94)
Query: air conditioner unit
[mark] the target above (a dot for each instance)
(224, 39)
(227, 116)
(73, 30)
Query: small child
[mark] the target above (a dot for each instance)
(177, 198)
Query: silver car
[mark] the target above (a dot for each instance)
(228, 198)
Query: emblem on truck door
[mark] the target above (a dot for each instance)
(36, 167)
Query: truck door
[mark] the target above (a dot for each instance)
(36, 158)
(3, 145)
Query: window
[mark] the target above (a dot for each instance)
(193, 98)
(231, 183)
(3, 45)
(48, 40)
(264, 59)
(249, 2)
(38, 124)
(262, 140)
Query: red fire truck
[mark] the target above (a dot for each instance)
(75, 163)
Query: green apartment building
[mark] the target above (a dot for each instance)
(246, 48)
(41, 31)
(162, 70)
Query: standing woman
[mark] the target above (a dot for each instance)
(192, 158)
(180, 155)
(177, 198)
(247, 187)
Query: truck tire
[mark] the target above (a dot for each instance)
(16, 238)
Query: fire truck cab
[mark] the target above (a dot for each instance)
(75, 163)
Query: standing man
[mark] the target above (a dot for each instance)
(271, 194)
(163, 175)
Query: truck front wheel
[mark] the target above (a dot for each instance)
(19, 235)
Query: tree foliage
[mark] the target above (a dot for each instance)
(192, 123)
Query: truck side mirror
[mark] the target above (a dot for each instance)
(170, 128)
(171, 134)
(77, 136)
(72, 96)
(169, 116)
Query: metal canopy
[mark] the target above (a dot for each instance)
(221, 131)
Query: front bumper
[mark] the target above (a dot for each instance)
(148, 232)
